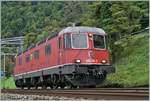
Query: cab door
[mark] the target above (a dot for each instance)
(61, 51)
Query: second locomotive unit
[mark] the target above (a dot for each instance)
(74, 57)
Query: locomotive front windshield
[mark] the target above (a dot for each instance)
(79, 40)
(98, 41)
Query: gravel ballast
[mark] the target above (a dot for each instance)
(7, 96)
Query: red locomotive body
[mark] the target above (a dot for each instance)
(76, 56)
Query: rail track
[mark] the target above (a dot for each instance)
(96, 93)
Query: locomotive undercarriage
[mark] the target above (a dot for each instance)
(71, 76)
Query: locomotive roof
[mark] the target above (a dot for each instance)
(82, 29)
(76, 29)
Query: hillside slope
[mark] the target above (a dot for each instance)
(132, 68)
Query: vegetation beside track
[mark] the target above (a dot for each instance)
(132, 64)
(8, 84)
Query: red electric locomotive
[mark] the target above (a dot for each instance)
(75, 57)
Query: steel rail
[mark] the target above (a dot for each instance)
(108, 94)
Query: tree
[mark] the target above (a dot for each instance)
(120, 18)
(144, 17)
(30, 39)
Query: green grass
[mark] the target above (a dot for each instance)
(8, 84)
(133, 67)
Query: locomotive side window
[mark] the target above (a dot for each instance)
(79, 40)
(98, 41)
(47, 49)
(20, 60)
(67, 41)
(36, 54)
(27, 58)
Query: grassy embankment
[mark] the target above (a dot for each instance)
(8, 84)
(132, 69)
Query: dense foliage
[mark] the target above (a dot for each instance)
(132, 68)
(44, 18)
(38, 19)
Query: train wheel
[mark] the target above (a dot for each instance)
(22, 87)
(103, 76)
(55, 86)
(36, 86)
(62, 86)
(28, 86)
(44, 86)
(51, 86)
(74, 87)
(21, 84)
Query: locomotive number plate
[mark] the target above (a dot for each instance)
(91, 60)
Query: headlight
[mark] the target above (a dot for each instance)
(90, 34)
(103, 61)
(77, 61)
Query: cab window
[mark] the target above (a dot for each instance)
(98, 41)
(67, 41)
(79, 40)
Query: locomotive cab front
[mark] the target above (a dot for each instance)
(85, 48)
(85, 51)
